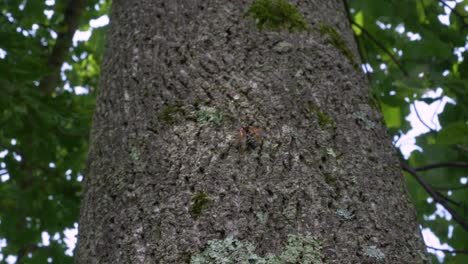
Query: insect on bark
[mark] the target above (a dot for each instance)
(250, 137)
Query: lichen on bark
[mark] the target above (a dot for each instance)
(209, 115)
(169, 114)
(299, 249)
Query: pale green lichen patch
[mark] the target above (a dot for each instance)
(331, 152)
(283, 47)
(135, 154)
(364, 120)
(374, 252)
(277, 15)
(200, 201)
(209, 115)
(338, 42)
(262, 217)
(344, 214)
(323, 119)
(300, 249)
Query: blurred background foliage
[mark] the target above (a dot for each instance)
(416, 56)
(414, 52)
(44, 128)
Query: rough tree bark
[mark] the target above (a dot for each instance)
(209, 129)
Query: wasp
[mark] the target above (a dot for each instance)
(250, 137)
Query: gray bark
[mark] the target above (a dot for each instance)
(167, 173)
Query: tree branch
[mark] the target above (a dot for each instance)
(350, 20)
(434, 115)
(435, 195)
(382, 47)
(461, 147)
(449, 199)
(68, 27)
(442, 165)
(455, 251)
(420, 119)
(23, 251)
(458, 14)
(450, 188)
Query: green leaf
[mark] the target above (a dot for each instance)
(455, 133)
(392, 115)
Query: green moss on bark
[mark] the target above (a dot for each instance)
(338, 42)
(277, 15)
(323, 119)
(199, 202)
(169, 114)
(329, 179)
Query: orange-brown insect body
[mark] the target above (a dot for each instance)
(250, 136)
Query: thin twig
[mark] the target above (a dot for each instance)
(435, 195)
(23, 251)
(420, 119)
(361, 47)
(442, 165)
(350, 20)
(451, 188)
(461, 147)
(458, 14)
(435, 111)
(382, 47)
(446, 198)
(451, 9)
(455, 251)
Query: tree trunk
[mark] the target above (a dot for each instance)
(212, 136)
